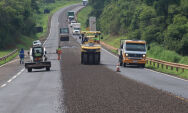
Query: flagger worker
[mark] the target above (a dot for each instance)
(59, 51)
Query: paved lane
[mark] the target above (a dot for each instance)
(154, 79)
(39, 91)
(99, 89)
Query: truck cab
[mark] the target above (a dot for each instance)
(70, 16)
(64, 34)
(132, 52)
(85, 2)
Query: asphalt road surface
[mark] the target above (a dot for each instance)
(99, 89)
(74, 88)
(39, 91)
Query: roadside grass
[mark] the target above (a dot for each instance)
(8, 59)
(173, 72)
(83, 17)
(158, 52)
(4, 53)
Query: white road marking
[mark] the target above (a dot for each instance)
(166, 74)
(150, 69)
(3, 85)
(14, 77)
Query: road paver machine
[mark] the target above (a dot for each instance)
(90, 47)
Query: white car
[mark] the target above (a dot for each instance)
(37, 43)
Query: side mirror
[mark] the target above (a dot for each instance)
(45, 52)
(148, 48)
(121, 46)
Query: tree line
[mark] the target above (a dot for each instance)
(164, 22)
(16, 20)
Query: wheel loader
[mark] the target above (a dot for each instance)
(38, 59)
(90, 48)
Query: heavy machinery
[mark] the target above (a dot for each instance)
(38, 59)
(64, 34)
(90, 48)
(132, 52)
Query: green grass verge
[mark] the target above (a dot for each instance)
(173, 72)
(4, 53)
(83, 17)
(9, 59)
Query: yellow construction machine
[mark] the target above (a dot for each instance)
(90, 48)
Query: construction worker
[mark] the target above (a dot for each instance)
(59, 51)
(21, 55)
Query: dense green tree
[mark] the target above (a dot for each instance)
(161, 21)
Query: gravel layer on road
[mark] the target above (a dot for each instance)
(96, 89)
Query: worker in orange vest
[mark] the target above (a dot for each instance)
(59, 51)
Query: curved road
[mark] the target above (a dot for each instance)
(74, 88)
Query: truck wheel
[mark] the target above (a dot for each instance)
(84, 58)
(47, 68)
(29, 69)
(142, 65)
(120, 61)
(124, 64)
(91, 58)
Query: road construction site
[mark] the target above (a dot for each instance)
(71, 87)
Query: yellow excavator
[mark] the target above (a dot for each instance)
(90, 48)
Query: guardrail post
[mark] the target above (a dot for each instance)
(171, 67)
(157, 65)
(166, 66)
(154, 64)
(182, 70)
(177, 69)
(150, 62)
(162, 66)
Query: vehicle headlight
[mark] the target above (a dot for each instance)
(127, 55)
(144, 55)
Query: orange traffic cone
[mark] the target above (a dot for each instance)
(117, 68)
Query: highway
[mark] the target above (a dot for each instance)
(74, 88)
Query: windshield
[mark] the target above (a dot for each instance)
(64, 30)
(76, 28)
(135, 47)
(37, 50)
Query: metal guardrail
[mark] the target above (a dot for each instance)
(167, 64)
(155, 62)
(7, 56)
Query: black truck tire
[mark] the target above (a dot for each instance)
(124, 64)
(29, 69)
(47, 68)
